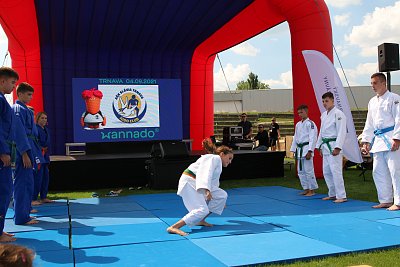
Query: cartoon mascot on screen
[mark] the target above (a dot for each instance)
(92, 117)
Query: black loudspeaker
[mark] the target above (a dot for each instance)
(170, 150)
(226, 138)
(165, 174)
(388, 57)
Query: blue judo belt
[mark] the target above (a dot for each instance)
(380, 133)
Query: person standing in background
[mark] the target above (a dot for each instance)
(274, 134)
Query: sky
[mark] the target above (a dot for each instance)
(358, 27)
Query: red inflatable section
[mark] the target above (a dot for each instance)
(310, 30)
(18, 19)
(309, 26)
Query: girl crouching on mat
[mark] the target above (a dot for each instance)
(199, 187)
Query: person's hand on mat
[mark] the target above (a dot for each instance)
(208, 195)
(6, 159)
(26, 161)
(336, 151)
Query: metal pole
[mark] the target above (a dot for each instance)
(388, 80)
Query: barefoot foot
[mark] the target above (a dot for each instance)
(36, 203)
(34, 211)
(46, 200)
(204, 223)
(5, 238)
(310, 193)
(176, 231)
(394, 207)
(340, 200)
(33, 221)
(8, 234)
(329, 198)
(303, 192)
(382, 205)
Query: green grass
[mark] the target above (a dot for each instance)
(380, 258)
(356, 188)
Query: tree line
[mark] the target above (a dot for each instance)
(252, 83)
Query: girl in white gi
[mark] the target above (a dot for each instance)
(305, 138)
(199, 187)
(381, 137)
(330, 142)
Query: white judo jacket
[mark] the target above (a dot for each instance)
(207, 169)
(333, 125)
(383, 112)
(305, 131)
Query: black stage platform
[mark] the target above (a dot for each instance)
(135, 167)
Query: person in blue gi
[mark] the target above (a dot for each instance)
(24, 177)
(42, 183)
(11, 143)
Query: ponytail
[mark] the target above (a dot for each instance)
(210, 148)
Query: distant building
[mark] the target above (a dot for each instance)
(281, 100)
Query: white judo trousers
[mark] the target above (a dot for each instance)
(384, 112)
(207, 170)
(305, 131)
(333, 125)
(197, 205)
(332, 167)
(386, 174)
(307, 174)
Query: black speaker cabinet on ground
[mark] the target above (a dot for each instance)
(165, 173)
(388, 57)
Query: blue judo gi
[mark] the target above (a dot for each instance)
(42, 183)
(13, 141)
(24, 178)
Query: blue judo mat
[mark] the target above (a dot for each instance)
(259, 225)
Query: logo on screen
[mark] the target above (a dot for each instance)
(129, 105)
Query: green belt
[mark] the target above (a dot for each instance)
(301, 145)
(13, 148)
(327, 141)
(190, 173)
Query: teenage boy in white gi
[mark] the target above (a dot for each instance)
(330, 142)
(381, 137)
(303, 145)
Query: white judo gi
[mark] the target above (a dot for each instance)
(384, 113)
(305, 132)
(207, 170)
(333, 126)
